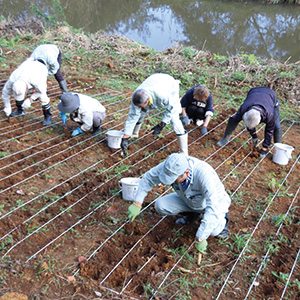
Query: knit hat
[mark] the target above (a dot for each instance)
(19, 90)
(173, 167)
(69, 102)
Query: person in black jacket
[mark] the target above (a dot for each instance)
(197, 106)
(260, 105)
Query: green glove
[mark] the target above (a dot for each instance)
(133, 211)
(201, 246)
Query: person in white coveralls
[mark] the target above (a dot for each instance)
(30, 75)
(157, 91)
(84, 110)
(198, 192)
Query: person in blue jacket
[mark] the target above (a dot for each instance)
(260, 105)
(198, 191)
(197, 106)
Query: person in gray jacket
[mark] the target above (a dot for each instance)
(157, 91)
(50, 56)
(84, 110)
(198, 190)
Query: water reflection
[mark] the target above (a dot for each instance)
(223, 27)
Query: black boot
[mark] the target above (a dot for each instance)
(63, 86)
(19, 111)
(231, 125)
(47, 114)
(96, 130)
(225, 232)
(189, 218)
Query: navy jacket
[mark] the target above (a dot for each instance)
(265, 100)
(188, 99)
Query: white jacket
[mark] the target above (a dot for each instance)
(164, 90)
(204, 193)
(49, 53)
(34, 74)
(87, 106)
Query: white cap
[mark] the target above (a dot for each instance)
(174, 166)
(19, 90)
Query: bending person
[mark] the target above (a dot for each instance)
(84, 110)
(30, 75)
(158, 90)
(260, 105)
(50, 56)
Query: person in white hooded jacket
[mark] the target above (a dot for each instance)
(50, 56)
(84, 110)
(157, 91)
(198, 191)
(30, 75)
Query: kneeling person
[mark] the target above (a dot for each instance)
(84, 110)
(198, 191)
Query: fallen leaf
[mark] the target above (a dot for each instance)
(71, 279)
(81, 259)
(113, 209)
(186, 270)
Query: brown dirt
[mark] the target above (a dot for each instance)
(63, 180)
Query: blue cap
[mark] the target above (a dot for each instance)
(173, 167)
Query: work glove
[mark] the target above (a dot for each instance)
(186, 120)
(204, 130)
(201, 246)
(124, 145)
(158, 128)
(133, 211)
(262, 153)
(77, 131)
(254, 139)
(27, 103)
(63, 117)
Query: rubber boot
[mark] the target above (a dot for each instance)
(278, 135)
(96, 130)
(225, 232)
(231, 125)
(47, 114)
(189, 218)
(19, 111)
(63, 86)
(136, 130)
(183, 142)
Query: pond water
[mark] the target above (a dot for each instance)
(220, 27)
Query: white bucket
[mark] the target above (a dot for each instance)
(114, 138)
(282, 153)
(129, 186)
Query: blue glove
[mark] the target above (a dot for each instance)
(204, 130)
(77, 131)
(63, 117)
(186, 120)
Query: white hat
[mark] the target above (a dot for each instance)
(19, 90)
(173, 167)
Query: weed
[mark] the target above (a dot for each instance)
(3, 154)
(239, 241)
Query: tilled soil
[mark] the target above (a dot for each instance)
(64, 228)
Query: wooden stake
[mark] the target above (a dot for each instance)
(199, 259)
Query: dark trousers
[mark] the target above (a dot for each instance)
(58, 75)
(194, 112)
